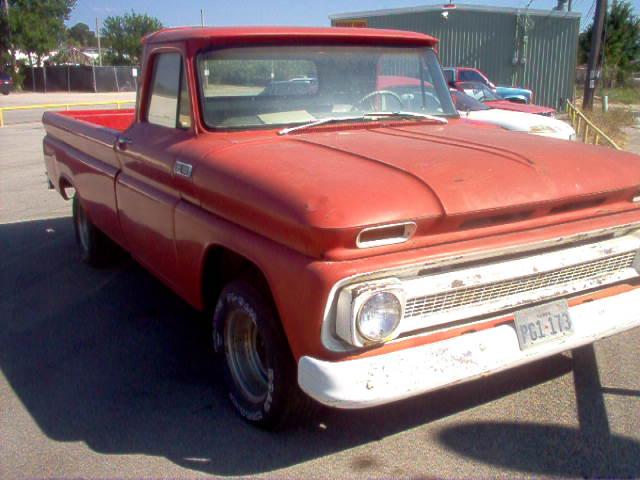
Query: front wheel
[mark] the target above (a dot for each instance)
(260, 372)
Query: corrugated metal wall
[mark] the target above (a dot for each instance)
(492, 40)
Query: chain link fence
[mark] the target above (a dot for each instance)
(81, 78)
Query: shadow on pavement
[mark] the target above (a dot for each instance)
(589, 452)
(114, 359)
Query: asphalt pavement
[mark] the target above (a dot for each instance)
(106, 373)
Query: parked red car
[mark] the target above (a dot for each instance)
(468, 74)
(350, 244)
(483, 94)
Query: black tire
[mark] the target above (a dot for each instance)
(265, 390)
(96, 249)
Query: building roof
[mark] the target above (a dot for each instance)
(293, 35)
(458, 6)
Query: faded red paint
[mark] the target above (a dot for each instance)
(293, 205)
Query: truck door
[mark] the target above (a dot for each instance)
(150, 151)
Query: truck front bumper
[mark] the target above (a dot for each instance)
(385, 378)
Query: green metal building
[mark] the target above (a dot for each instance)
(536, 49)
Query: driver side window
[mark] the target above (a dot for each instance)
(169, 103)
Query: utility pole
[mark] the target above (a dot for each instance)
(202, 17)
(98, 37)
(594, 54)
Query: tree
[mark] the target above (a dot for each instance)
(5, 45)
(80, 35)
(124, 36)
(621, 42)
(36, 26)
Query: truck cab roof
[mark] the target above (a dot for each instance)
(238, 35)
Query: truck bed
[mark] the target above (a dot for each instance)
(114, 119)
(79, 152)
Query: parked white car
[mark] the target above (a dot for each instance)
(470, 108)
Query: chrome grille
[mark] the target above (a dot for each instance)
(463, 297)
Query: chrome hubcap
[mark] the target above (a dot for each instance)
(245, 354)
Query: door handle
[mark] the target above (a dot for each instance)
(123, 142)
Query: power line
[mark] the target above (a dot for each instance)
(588, 16)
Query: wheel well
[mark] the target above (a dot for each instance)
(221, 266)
(66, 188)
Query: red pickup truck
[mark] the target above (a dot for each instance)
(352, 243)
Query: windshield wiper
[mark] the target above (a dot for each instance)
(365, 116)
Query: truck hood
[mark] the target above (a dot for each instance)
(332, 181)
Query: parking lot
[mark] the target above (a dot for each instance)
(106, 373)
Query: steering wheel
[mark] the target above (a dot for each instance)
(378, 93)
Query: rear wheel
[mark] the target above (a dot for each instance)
(96, 248)
(260, 372)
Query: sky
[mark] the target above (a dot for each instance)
(276, 12)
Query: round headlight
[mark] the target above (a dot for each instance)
(379, 316)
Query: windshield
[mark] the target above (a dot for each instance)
(477, 90)
(288, 85)
(466, 103)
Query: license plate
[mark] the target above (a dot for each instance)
(542, 324)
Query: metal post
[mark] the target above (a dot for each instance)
(99, 49)
(594, 54)
(202, 17)
(68, 78)
(93, 69)
(115, 75)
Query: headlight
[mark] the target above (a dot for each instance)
(370, 312)
(379, 316)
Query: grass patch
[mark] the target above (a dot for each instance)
(612, 123)
(624, 95)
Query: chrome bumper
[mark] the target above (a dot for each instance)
(402, 374)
